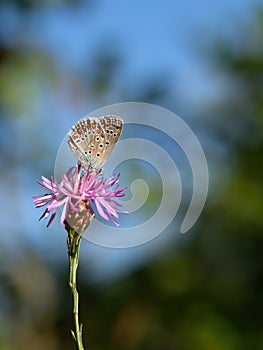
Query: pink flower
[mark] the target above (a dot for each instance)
(76, 192)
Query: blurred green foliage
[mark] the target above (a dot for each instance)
(204, 293)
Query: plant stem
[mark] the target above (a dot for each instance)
(73, 245)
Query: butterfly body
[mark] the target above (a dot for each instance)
(93, 139)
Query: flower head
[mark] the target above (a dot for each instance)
(77, 193)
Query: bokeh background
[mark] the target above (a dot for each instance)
(60, 60)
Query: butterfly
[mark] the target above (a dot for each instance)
(93, 139)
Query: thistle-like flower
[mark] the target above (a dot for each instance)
(76, 194)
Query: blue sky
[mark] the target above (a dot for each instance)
(153, 36)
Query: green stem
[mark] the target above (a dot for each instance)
(73, 245)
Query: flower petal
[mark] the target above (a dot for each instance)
(77, 186)
(100, 210)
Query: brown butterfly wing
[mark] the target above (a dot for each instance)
(112, 127)
(87, 142)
